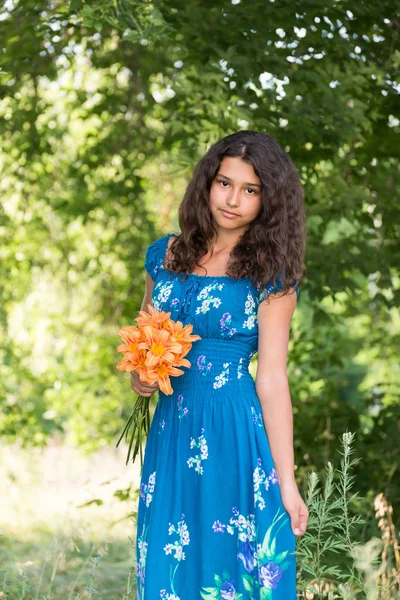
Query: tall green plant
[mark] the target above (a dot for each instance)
(331, 562)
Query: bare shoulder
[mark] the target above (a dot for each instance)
(279, 304)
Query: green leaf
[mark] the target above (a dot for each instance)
(262, 556)
(248, 581)
(225, 574)
(217, 579)
(271, 549)
(265, 593)
(268, 534)
(209, 593)
(75, 5)
(281, 556)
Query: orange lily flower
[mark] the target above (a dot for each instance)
(154, 349)
(160, 345)
(131, 336)
(154, 318)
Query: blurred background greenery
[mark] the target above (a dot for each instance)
(105, 108)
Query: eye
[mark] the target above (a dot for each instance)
(227, 182)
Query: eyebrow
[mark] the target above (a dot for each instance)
(229, 179)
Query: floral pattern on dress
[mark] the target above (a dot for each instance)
(251, 311)
(161, 293)
(181, 530)
(223, 377)
(262, 481)
(203, 365)
(225, 588)
(268, 289)
(239, 369)
(245, 526)
(226, 325)
(174, 302)
(147, 489)
(257, 417)
(262, 564)
(182, 410)
(246, 536)
(161, 426)
(165, 596)
(207, 300)
(141, 562)
(195, 461)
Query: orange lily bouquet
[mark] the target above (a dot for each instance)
(155, 348)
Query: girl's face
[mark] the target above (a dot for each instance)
(236, 189)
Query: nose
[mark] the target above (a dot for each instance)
(234, 198)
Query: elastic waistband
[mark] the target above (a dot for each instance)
(218, 367)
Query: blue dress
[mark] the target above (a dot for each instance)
(211, 523)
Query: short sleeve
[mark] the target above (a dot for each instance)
(270, 288)
(155, 256)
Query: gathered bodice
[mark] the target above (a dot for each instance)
(220, 308)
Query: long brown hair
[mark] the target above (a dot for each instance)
(274, 243)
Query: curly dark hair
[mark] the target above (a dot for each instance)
(274, 243)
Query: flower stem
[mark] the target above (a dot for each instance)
(137, 429)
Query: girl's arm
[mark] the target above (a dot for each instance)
(272, 385)
(148, 292)
(273, 392)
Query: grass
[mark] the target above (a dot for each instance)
(66, 535)
(55, 542)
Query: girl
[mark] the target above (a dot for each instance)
(219, 508)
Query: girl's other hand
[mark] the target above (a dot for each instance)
(142, 389)
(295, 506)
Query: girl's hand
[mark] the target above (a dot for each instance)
(142, 389)
(295, 506)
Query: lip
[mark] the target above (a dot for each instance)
(228, 214)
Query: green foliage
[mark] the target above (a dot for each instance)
(330, 527)
(332, 563)
(105, 108)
